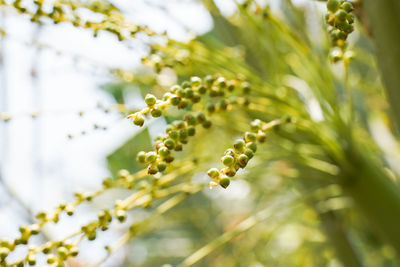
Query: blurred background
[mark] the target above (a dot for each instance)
(64, 96)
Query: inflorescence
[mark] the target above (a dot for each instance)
(341, 19)
(243, 150)
(184, 96)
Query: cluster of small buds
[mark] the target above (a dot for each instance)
(176, 136)
(66, 11)
(188, 93)
(341, 19)
(243, 150)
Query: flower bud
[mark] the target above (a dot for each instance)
(141, 157)
(195, 81)
(228, 160)
(191, 130)
(224, 182)
(252, 146)
(169, 143)
(249, 153)
(161, 166)
(156, 112)
(121, 215)
(207, 124)
(152, 169)
(239, 145)
(243, 159)
(150, 100)
(138, 120)
(333, 5)
(163, 152)
(250, 137)
(213, 173)
(151, 157)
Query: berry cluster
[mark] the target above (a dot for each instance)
(341, 19)
(243, 150)
(67, 11)
(179, 131)
(188, 93)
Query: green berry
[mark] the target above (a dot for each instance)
(213, 173)
(243, 159)
(210, 107)
(156, 112)
(195, 81)
(183, 104)
(246, 87)
(138, 120)
(195, 98)
(224, 182)
(230, 172)
(174, 100)
(183, 134)
(51, 259)
(252, 146)
(173, 134)
(150, 100)
(255, 125)
(175, 88)
(347, 6)
(151, 157)
(190, 119)
(169, 143)
(169, 159)
(341, 15)
(223, 104)
(181, 92)
(261, 136)
(201, 117)
(239, 144)
(179, 124)
(152, 169)
(161, 166)
(62, 252)
(189, 92)
(202, 90)
(250, 137)
(350, 18)
(178, 147)
(208, 80)
(249, 153)
(333, 5)
(186, 84)
(191, 130)
(221, 82)
(228, 160)
(163, 152)
(207, 124)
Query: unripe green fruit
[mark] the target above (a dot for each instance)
(189, 92)
(174, 88)
(202, 90)
(347, 6)
(208, 80)
(74, 251)
(151, 157)
(150, 100)
(261, 136)
(141, 157)
(243, 159)
(138, 120)
(239, 144)
(350, 18)
(255, 125)
(223, 104)
(62, 252)
(213, 173)
(181, 92)
(207, 124)
(341, 15)
(231, 87)
(174, 134)
(333, 5)
(152, 169)
(169, 159)
(190, 119)
(179, 124)
(169, 143)
(163, 152)
(249, 153)
(246, 87)
(250, 137)
(178, 147)
(156, 112)
(230, 172)
(195, 81)
(195, 98)
(161, 166)
(191, 130)
(174, 100)
(201, 117)
(252, 146)
(221, 82)
(183, 134)
(228, 160)
(210, 107)
(224, 182)
(183, 104)
(186, 84)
